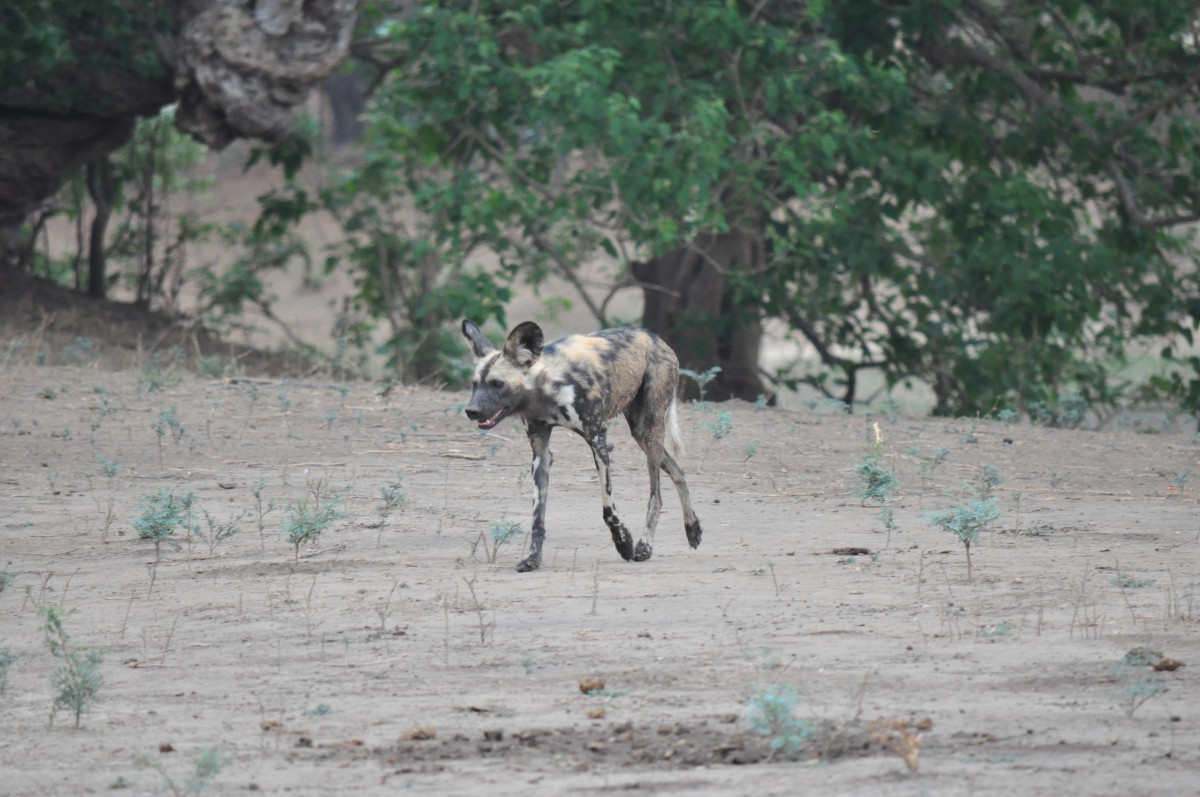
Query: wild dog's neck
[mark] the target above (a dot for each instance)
(549, 398)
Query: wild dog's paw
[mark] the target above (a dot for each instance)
(529, 565)
(642, 551)
(693, 533)
(621, 537)
(624, 544)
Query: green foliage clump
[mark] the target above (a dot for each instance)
(930, 460)
(879, 481)
(702, 378)
(394, 498)
(720, 427)
(1137, 689)
(108, 467)
(162, 515)
(217, 531)
(987, 480)
(7, 577)
(309, 519)
(772, 713)
(966, 522)
(1126, 581)
(393, 495)
(60, 47)
(894, 228)
(499, 533)
(6, 660)
(208, 766)
(77, 681)
(502, 531)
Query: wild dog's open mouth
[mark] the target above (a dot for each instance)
(492, 421)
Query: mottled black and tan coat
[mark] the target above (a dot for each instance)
(581, 382)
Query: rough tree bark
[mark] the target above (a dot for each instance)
(691, 305)
(236, 68)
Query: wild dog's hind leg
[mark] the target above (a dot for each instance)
(649, 436)
(645, 546)
(620, 535)
(691, 523)
(539, 441)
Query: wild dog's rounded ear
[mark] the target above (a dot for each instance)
(525, 343)
(479, 344)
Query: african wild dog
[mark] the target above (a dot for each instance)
(581, 382)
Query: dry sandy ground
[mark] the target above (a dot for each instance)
(400, 658)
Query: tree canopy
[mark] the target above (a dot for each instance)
(994, 198)
(75, 76)
(991, 197)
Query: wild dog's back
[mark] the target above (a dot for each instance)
(612, 365)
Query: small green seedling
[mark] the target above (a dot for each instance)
(722, 426)
(77, 682)
(216, 531)
(167, 421)
(878, 480)
(208, 766)
(162, 515)
(108, 467)
(1139, 692)
(6, 660)
(967, 522)
(701, 378)
(987, 480)
(930, 461)
(1126, 581)
(308, 520)
(7, 577)
(837, 405)
(261, 510)
(499, 533)
(772, 713)
(393, 498)
(1137, 689)
(887, 516)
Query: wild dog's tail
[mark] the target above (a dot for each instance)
(674, 439)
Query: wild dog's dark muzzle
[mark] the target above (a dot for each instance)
(485, 417)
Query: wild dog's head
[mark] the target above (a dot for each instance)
(498, 386)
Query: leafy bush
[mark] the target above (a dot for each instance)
(77, 681)
(164, 513)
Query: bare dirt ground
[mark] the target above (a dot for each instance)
(404, 656)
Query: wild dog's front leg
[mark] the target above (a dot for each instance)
(620, 535)
(539, 441)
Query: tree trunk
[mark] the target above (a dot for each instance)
(690, 303)
(100, 188)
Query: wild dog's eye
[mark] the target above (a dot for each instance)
(496, 383)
